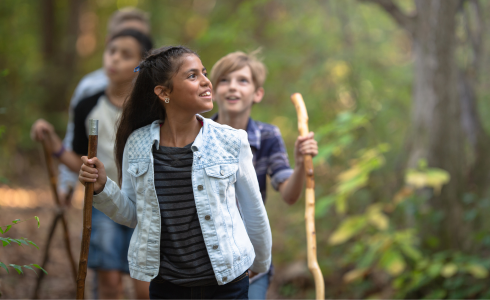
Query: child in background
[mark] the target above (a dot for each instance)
(181, 176)
(238, 80)
(109, 242)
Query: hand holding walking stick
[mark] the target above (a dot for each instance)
(87, 211)
(299, 104)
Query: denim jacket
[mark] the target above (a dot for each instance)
(222, 171)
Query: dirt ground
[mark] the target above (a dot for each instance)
(17, 203)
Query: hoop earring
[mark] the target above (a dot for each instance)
(167, 99)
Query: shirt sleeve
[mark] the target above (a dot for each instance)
(278, 169)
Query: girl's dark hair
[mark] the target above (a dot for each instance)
(143, 106)
(144, 40)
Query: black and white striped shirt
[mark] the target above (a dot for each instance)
(184, 259)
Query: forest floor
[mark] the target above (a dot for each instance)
(291, 279)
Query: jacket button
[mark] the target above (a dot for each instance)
(207, 218)
(222, 172)
(225, 278)
(215, 247)
(200, 187)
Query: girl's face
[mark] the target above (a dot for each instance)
(236, 92)
(192, 90)
(121, 56)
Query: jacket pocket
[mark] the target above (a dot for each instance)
(137, 169)
(221, 176)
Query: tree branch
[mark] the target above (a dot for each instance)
(405, 21)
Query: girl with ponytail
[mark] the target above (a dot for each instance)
(180, 176)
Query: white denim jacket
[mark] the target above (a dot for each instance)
(222, 172)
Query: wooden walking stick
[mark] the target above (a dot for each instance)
(52, 228)
(87, 211)
(60, 206)
(299, 104)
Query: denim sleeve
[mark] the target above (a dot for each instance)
(252, 208)
(279, 169)
(119, 204)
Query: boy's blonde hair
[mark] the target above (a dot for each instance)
(236, 61)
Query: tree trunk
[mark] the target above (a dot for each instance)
(436, 131)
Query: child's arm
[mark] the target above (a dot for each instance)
(292, 187)
(252, 208)
(119, 204)
(42, 130)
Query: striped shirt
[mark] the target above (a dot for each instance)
(184, 259)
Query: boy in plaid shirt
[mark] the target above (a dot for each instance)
(238, 80)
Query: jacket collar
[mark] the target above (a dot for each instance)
(253, 132)
(155, 133)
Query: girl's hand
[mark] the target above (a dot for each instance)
(93, 171)
(39, 129)
(303, 146)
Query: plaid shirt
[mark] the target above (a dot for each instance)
(269, 154)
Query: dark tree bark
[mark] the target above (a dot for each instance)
(436, 132)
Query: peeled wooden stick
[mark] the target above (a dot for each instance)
(299, 104)
(87, 212)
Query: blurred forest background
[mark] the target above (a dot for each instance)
(396, 92)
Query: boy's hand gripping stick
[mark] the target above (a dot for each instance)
(87, 211)
(299, 104)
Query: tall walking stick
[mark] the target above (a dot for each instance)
(87, 212)
(59, 205)
(299, 104)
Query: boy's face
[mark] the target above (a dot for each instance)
(121, 56)
(235, 92)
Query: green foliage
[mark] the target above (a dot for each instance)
(373, 239)
(20, 241)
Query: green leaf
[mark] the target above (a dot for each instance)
(30, 268)
(37, 219)
(16, 221)
(39, 267)
(436, 294)
(322, 205)
(17, 241)
(23, 241)
(8, 228)
(5, 241)
(17, 268)
(32, 243)
(4, 266)
(1, 230)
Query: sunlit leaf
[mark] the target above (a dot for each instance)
(38, 223)
(476, 271)
(376, 217)
(392, 261)
(354, 275)
(433, 177)
(347, 229)
(449, 270)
